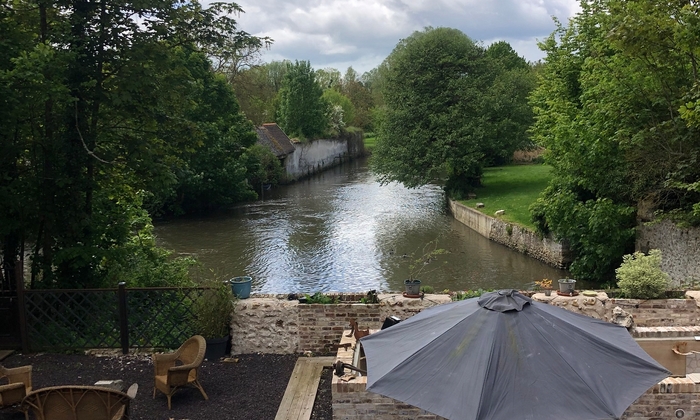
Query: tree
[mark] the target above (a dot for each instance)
(361, 99)
(506, 110)
(609, 110)
(214, 174)
(329, 78)
(341, 110)
(301, 111)
(103, 114)
(431, 129)
(257, 90)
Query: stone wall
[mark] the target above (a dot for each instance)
(318, 155)
(513, 236)
(278, 325)
(680, 249)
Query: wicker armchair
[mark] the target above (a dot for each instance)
(73, 402)
(178, 369)
(19, 383)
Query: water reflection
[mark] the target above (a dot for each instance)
(342, 231)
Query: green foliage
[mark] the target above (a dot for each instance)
(301, 108)
(341, 111)
(429, 131)
(609, 109)
(257, 88)
(449, 108)
(214, 308)
(599, 231)
(321, 298)
(506, 113)
(104, 111)
(427, 289)
(370, 298)
(468, 294)
(263, 166)
(640, 276)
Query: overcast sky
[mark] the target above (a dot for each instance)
(362, 33)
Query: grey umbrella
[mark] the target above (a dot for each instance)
(505, 356)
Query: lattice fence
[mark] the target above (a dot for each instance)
(80, 319)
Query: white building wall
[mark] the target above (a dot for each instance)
(315, 156)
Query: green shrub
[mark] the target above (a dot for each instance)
(468, 294)
(427, 289)
(321, 298)
(640, 276)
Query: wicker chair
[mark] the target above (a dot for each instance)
(74, 402)
(19, 383)
(178, 369)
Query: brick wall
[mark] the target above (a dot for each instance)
(664, 399)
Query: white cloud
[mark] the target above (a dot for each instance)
(361, 33)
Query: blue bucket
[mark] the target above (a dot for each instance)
(240, 286)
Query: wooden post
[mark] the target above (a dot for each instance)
(21, 304)
(123, 320)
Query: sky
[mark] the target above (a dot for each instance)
(362, 33)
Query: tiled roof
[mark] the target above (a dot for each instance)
(272, 136)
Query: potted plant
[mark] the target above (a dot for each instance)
(544, 285)
(418, 266)
(567, 287)
(212, 316)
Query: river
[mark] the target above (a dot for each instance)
(341, 231)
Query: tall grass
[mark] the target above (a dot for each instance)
(512, 188)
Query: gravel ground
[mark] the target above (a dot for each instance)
(249, 388)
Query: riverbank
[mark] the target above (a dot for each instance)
(514, 236)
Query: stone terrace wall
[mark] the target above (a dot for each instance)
(513, 236)
(680, 249)
(277, 325)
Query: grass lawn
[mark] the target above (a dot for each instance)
(370, 142)
(511, 188)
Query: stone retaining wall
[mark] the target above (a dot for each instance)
(680, 249)
(277, 325)
(513, 236)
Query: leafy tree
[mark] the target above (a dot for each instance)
(257, 88)
(329, 78)
(343, 107)
(214, 174)
(361, 98)
(264, 166)
(431, 130)
(103, 113)
(302, 111)
(609, 110)
(506, 111)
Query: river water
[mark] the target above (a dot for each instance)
(341, 231)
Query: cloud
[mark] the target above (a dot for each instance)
(361, 33)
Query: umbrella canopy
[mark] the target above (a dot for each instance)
(504, 356)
